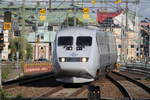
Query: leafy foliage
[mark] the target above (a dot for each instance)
(7, 96)
(15, 45)
(3, 95)
(70, 22)
(29, 51)
(5, 72)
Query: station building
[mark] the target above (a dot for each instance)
(42, 42)
(127, 45)
(145, 37)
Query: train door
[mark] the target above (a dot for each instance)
(107, 49)
(98, 41)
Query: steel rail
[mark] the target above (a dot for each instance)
(123, 90)
(55, 99)
(146, 73)
(26, 80)
(77, 92)
(141, 68)
(143, 86)
(46, 94)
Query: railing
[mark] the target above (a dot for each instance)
(11, 70)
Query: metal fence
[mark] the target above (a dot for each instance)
(11, 70)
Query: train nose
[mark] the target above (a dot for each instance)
(72, 67)
(79, 70)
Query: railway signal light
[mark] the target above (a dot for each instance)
(1, 41)
(85, 10)
(7, 20)
(7, 26)
(7, 16)
(42, 18)
(42, 12)
(85, 16)
(85, 13)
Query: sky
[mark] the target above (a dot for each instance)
(143, 9)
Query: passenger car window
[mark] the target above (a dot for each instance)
(65, 41)
(84, 41)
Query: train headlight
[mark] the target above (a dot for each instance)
(84, 59)
(69, 48)
(62, 59)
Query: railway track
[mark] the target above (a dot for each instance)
(26, 80)
(143, 70)
(63, 92)
(80, 92)
(51, 92)
(129, 87)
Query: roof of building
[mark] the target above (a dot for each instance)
(42, 36)
(102, 16)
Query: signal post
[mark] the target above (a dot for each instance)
(1, 48)
(6, 27)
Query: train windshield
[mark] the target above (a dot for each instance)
(84, 41)
(65, 41)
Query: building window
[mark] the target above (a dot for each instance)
(41, 48)
(137, 54)
(119, 46)
(50, 28)
(132, 46)
(42, 37)
(141, 46)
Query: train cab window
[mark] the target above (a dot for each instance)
(84, 41)
(62, 41)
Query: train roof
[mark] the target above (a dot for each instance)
(77, 31)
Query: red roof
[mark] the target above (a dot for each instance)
(102, 16)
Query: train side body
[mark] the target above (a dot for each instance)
(80, 52)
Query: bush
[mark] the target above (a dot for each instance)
(3, 95)
(5, 72)
(70, 22)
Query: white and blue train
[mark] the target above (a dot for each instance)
(80, 54)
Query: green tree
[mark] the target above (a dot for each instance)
(70, 22)
(29, 49)
(15, 45)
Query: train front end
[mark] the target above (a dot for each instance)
(74, 53)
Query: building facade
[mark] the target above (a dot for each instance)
(125, 37)
(42, 42)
